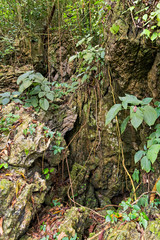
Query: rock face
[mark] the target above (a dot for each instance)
(25, 148)
(129, 231)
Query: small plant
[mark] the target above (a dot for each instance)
(4, 165)
(139, 111)
(7, 97)
(89, 59)
(39, 91)
(57, 148)
(47, 172)
(30, 130)
(7, 121)
(56, 203)
(43, 227)
(128, 213)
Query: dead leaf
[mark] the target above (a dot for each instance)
(1, 229)
(61, 236)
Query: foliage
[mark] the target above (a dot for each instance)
(139, 111)
(47, 172)
(4, 165)
(7, 121)
(7, 97)
(149, 18)
(90, 59)
(39, 91)
(128, 212)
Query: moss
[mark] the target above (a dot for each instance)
(154, 227)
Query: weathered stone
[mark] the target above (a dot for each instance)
(74, 222)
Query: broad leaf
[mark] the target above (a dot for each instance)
(138, 155)
(26, 84)
(72, 58)
(136, 117)
(50, 96)
(152, 152)
(41, 94)
(146, 164)
(158, 186)
(34, 101)
(124, 124)
(135, 175)
(150, 115)
(35, 90)
(112, 113)
(130, 99)
(6, 94)
(44, 104)
(5, 101)
(24, 76)
(144, 222)
(146, 101)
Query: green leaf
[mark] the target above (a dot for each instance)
(6, 94)
(102, 54)
(146, 101)
(41, 94)
(72, 58)
(145, 16)
(23, 76)
(136, 117)
(152, 152)
(45, 171)
(88, 56)
(158, 186)
(136, 207)
(135, 175)
(34, 101)
(26, 84)
(138, 156)
(154, 36)
(114, 29)
(108, 218)
(5, 165)
(50, 96)
(35, 90)
(124, 124)
(52, 170)
(130, 99)
(44, 104)
(5, 101)
(80, 42)
(146, 164)
(112, 113)
(146, 32)
(150, 115)
(85, 77)
(144, 223)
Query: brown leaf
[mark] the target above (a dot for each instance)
(1, 229)
(61, 236)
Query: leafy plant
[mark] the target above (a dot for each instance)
(114, 29)
(89, 59)
(58, 139)
(39, 91)
(47, 172)
(7, 97)
(43, 227)
(139, 111)
(56, 203)
(7, 121)
(4, 165)
(128, 213)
